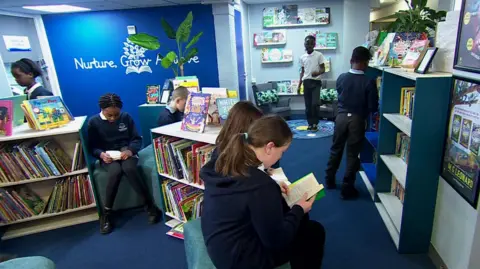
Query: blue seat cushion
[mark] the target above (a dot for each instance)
(28, 263)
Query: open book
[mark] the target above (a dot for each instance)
(114, 154)
(279, 176)
(308, 184)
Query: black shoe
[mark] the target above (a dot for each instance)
(154, 214)
(106, 225)
(309, 127)
(314, 128)
(349, 192)
(330, 184)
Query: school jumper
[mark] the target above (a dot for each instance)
(36, 91)
(357, 98)
(119, 135)
(169, 116)
(246, 223)
(311, 85)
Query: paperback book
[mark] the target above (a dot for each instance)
(397, 189)
(153, 94)
(224, 106)
(402, 149)
(407, 98)
(182, 201)
(268, 38)
(400, 45)
(272, 55)
(46, 113)
(309, 185)
(415, 54)
(6, 117)
(196, 112)
(213, 113)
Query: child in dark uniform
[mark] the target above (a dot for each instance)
(25, 71)
(112, 130)
(173, 112)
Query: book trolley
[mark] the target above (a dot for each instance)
(409, 222)
(67, 137)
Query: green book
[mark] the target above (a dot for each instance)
(307, 184)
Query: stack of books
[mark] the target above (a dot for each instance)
(402, 149)
(406, 101)
(46, 113)
(177, 231)
(32, 159)
(183, 202)
(181, 158)
(18, 204)
(397, 189)
(69, 193)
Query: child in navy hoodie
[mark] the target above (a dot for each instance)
(112, 130)
(25, 71)
(246, 222)
(173, 112)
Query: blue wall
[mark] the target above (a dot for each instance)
(101, 35)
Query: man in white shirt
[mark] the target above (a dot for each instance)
(313, 66)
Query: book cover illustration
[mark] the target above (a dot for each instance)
(415, 54)
(288, 14)
(456, 124)
(400, 45)
(272, 55)
(196, 112)
(267, 38)
(466, 131)
(6, 117)
(224, 106)
(269, 15)
(322, 15)
(48, 112)
(475, 139)
(153, 94)
(307, 15)
(323, 40)
(213, 114)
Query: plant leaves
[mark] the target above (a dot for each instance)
(191, 54)
(145, 41)
(169, 59)
(168, 29)
(183, 31)
(194, 40)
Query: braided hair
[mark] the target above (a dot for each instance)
(110, 100)
(27, 66)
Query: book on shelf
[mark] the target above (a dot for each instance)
(176, 231)
(181, 158)
(402, 149)
(406, 101)
(46, 113)
(397, 189)
(21, 202)
(189, 82)
(400, 45)
(196, 112)
(224, 106)
(32, 159)
(308, 184)
(6, 117)
(213, 112)
(415, 54)
(182, 201)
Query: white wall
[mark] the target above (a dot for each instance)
(5, 90)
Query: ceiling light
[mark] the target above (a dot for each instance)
(57, 8)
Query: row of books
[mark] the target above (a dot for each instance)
(181, 158)
(406, 101)
(46, 113)
(37, 159)
(182, 201)
(20, 203)
(397, 189)
(402, 149)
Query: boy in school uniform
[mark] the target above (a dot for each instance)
(173, 112)
(357, 98)
(313, 66)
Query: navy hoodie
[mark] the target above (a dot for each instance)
(169, 116)
(245, 219)
(357, 94)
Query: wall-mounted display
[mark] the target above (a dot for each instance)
(270, 38)
(287, 87)
(277, 55)
(467, 53)
(323, 41)
(291, 16)
(462, 152)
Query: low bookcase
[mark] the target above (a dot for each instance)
(73, 211)
(405, 188)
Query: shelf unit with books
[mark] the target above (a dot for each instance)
(409, 155)
(44, 180)
(167, 141)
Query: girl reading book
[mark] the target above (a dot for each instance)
(246, 222)
(111, 132)
(25, 71)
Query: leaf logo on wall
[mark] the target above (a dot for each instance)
(133, 59)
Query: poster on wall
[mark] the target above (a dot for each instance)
(462, 149)
(276, 55)
(270, 38)
(323, 40)
(467, 53)
(291, 15)
(17, 43)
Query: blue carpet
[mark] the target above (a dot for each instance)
(325, 128)
(356, 235)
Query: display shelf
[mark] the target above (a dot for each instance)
(269, 44)
(152, 105)
(372, 138)
(33, 180)
(183, 181)
(171, 215)
(25, 132)
(279, 61)
(172, 223)
(392, 230)
(394, 208)
(209, 136)
(414, 76)
(398, 168)
(296, 25)
(403, 123)
(369, 186)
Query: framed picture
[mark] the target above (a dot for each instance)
(422, 68)
(461, 158)
(467, 52)
(165, 97)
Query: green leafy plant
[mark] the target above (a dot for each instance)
(417, 19)
(173, 59)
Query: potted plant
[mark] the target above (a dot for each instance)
(185, 50)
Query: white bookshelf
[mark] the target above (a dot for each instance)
(394, 208)
(279, 61)
(66, 136)
(183, 181)
(403, 123)
(369, 186)
(398, 168)
(296, 25)
(414, 76)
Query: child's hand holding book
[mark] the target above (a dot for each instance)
(306, 203)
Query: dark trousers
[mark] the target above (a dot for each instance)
(311, 92)
(307, 249)
(115, 171)
(350, 130)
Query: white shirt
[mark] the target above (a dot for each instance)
(34, 87)
(311, 63)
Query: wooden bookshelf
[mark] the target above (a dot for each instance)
(409, 223)
(66, 137)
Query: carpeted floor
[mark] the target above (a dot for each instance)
(356, 235)
(299, 129)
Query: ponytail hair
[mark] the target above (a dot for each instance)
(238, 155)
(27, 66)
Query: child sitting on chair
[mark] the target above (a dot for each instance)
(173, 112)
